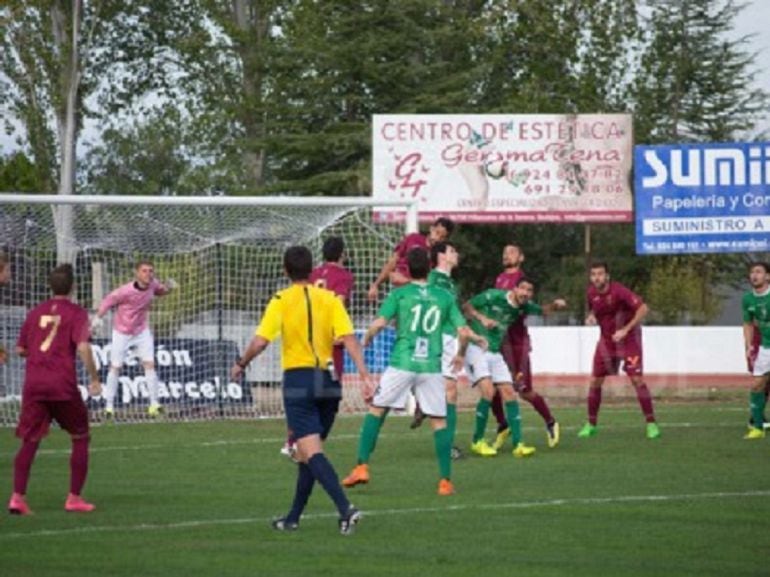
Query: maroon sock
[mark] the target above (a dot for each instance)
(499, 412)
(22, 466)
(539, 404)
(594, 402)
(645, 402)
(78, 465)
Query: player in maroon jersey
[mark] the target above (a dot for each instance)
(331, 275)
(619, 313)
(515, 350)
(396, 269)
(5, 277)
(53, 334)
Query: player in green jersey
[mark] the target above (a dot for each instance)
(491, 312)
(444, 258)
(421, 312)
(756, 316)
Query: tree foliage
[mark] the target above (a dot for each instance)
(276, 96)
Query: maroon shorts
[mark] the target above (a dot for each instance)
(36, 417)
(608, 357)
(338, 358)
(517, 359)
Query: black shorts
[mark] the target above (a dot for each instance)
(311, 400)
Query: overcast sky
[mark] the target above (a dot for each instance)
(754, 20)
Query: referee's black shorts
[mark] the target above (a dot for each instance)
(311, 400)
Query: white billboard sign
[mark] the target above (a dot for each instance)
(505, 167)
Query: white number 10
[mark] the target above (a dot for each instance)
(429, 321)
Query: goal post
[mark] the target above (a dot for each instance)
(225, 253)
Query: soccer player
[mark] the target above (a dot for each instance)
(132, 302)
(444, 258)
(491, 313)
(331, 275)
(515, 350)
(756, 317)
(421, 312)
(309, 320)
(53, 334)
(396, 269)
(619, 313)
(5, 278)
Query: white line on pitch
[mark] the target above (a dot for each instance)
(389, 512)
(350, 436)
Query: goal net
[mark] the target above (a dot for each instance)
(224, 253)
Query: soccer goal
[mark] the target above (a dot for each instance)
(225, 254)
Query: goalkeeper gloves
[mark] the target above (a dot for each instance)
(171, 284)
(97, 323)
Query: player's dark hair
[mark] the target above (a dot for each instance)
(762, 264)
(600, 264)
(333, 248)
(298, 262)
(437, 249)
(3, 260)
(419, 263)
(142, 262)
(525, 279)
(447, 223)
(61, 280)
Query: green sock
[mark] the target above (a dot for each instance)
(757, 404)
(514, 421)
(442, 439)
(451, 419)
(370, 430)
(482, 415)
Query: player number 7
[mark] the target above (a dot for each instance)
(46, 320)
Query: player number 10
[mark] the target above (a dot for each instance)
(429, 321)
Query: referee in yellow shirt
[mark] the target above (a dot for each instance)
(309, 320)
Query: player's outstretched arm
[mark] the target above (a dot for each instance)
(470, 312)
(87, 356)
(748, 338)
(384, 275)
(255, 348)
(554, 305)
(374, 329)
(356, 354)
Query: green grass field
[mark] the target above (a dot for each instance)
(196, 499)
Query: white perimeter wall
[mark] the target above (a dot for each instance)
(690, 350)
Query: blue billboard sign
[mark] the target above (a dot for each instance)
(702, 198)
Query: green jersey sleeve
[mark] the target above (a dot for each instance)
(389, 307)
(532, 309)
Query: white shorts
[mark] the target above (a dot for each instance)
(143, 345)
(448, 353)
(762, 364)
(480, 364)
(428, 388)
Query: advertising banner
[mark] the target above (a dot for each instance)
(190, 371)
(505, 167)
(702, 198)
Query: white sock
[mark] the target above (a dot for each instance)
(110, 390)
(152, 385)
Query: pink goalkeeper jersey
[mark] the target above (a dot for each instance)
(132, 304)
(335, 278)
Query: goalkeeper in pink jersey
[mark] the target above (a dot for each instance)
(132, 302)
